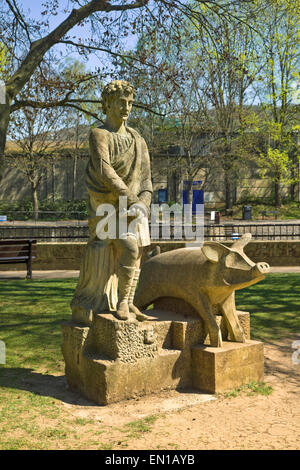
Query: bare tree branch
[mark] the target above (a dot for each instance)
(39, 48)
(18, 104)
(17, 14)
(114, 54)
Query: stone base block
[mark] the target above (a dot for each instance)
(219, 369)
(112, 360)
(105, 382)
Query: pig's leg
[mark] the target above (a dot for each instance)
(203, 306)
(232, 321)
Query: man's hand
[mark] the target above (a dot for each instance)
(138, 209)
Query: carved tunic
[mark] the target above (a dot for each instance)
(119, 166)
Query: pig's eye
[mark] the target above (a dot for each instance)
(235, 261)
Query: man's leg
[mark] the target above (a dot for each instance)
(132, 308)
(129, 257)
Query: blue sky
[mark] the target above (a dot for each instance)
(33, 9)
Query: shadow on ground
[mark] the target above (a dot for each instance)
(47, 385)
(278, 365)
(278, 361)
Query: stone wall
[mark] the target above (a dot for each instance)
(51, 256)
(57, 181)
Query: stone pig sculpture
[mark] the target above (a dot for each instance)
(203, 277)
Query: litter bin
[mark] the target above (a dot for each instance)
(247, 212)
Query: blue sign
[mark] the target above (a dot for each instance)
(198, 194)
(162, 196)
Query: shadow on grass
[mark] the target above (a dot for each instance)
(46, 385)
(38, 289)
(274, 306)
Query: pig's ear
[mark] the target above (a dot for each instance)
(213, 251)
(243, 241)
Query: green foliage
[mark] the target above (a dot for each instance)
(25, 205)
(277, 166)
(68, 209)
(4, 61)
(288, 210)
(75, 72)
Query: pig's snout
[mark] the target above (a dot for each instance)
(261, 268)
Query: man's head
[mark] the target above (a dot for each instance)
(117, 98)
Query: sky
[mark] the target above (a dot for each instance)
(34, 8)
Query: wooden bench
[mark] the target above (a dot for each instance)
(18, 251)
(265, 213)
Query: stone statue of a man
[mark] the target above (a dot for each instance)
(119, 166)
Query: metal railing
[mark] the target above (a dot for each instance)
(261, 231)
(221, 232)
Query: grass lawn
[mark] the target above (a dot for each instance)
(31, 312)
(274, 305)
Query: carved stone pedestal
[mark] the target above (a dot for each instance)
(113, 360)
(234, 364)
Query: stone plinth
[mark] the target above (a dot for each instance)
(234, 364)
(113, 360)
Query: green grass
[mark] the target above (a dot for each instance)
(135, 428)
(30, 316)
(22, 414)
(274, 306)
(32, 415)
(253, 388)
(31, 312)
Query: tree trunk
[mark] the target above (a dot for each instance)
(190, 192)
(74, 175)
(277, 190)
(35, 202)
(53, 181)
(293, 187)
(294, 174)
(228, 190)
(4, 120)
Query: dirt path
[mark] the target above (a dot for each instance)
(242, 422)
(193, 421)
